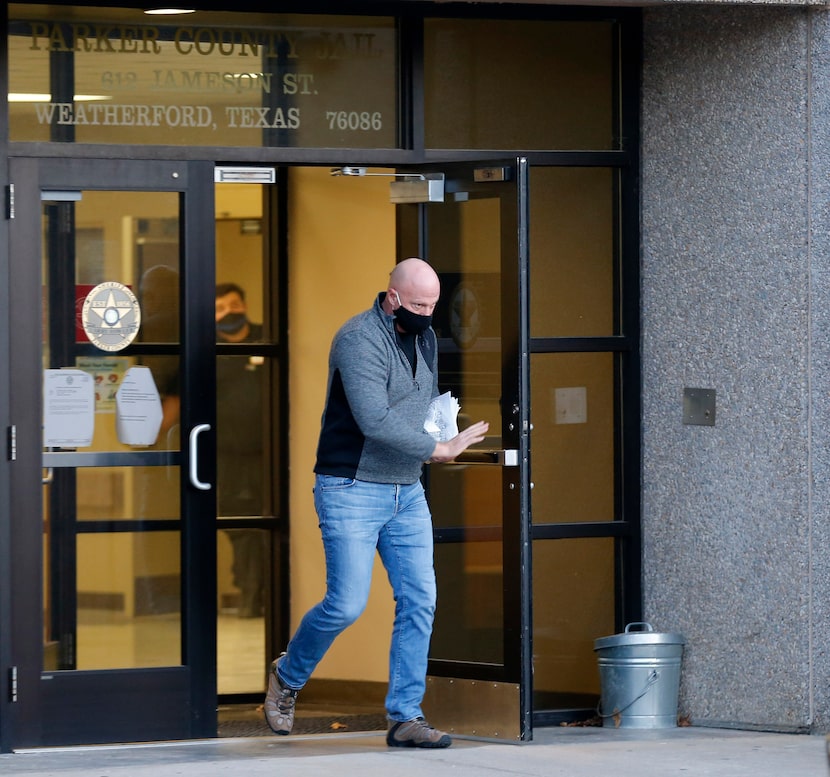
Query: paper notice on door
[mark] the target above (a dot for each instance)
(68, 409)
(137, 408)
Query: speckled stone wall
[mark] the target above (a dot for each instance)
(820, 362)
(736, 298)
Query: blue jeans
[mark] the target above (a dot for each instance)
(356, 518)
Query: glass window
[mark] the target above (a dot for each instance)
(129, 601)
(506, 84)
(470, 614)
(572, 261)
(208, 78)
(112, 596)
(241, 572)
(573, 437)
(573, 604)
(247, 399)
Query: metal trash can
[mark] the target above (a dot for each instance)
(639, 675)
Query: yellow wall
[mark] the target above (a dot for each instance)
(341, 250)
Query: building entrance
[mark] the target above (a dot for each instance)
(152, 519)
(146, 451)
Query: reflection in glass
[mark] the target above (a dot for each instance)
(128, 601)
(509, 84)
(241, 412)
(465, 250)
(573, 604)
(127, 493)
(572, 261)
(468, 623)
(573, 437)
(240, 635)
(469, 616)
(467, 318)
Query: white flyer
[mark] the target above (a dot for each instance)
(442, 417)
(138, 408)
(68, 409)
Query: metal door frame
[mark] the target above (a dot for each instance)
(509, 685)
(49, 708)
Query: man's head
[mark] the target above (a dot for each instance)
(232, 324)
(414, 289)
(159, 289)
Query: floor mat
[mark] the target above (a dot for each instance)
(251, 723)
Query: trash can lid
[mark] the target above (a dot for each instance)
(647, 637)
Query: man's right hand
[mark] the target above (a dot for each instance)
(447, 451)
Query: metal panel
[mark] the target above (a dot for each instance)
(477, 709)
(699, 406)
(126, 707)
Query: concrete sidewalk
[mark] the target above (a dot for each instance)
(555, 752)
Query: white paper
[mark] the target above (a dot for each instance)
(138, 408)
(68, 409)
(442, 417)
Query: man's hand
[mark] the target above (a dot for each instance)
(447, 451)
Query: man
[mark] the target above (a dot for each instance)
(232, 324)
(239, 392)
(368, 496)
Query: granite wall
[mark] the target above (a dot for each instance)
(736, 298)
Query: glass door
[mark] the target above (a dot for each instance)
(476, 239)
(113, 397)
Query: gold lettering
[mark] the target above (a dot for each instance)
(248, 44)
(150, 37)
(103, 41)
(56, 40)
(227, 48)
(291, 40)
(332, 46)
(80, 35)
(273, 44)
(205, 42)
(38, 31)
(129, 39)
(183, 36)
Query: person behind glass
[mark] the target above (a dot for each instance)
(239, 445)
(369, 497)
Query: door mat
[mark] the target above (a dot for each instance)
(252, 724)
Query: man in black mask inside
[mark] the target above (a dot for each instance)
(239, 395)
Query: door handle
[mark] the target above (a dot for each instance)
(194, 457)
(502, 458)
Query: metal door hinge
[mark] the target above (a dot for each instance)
(10, 201)
(11, 442)
(13, 684)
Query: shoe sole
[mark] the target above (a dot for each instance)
(423, 745)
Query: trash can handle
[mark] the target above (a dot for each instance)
(639, 623)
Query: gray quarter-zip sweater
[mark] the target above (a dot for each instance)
(373, 422)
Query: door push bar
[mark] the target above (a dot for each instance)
(194, 457)
(503, 458)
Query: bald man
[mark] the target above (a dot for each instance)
(383, 367)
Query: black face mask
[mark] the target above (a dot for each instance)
(410, 322)
(231, 323)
